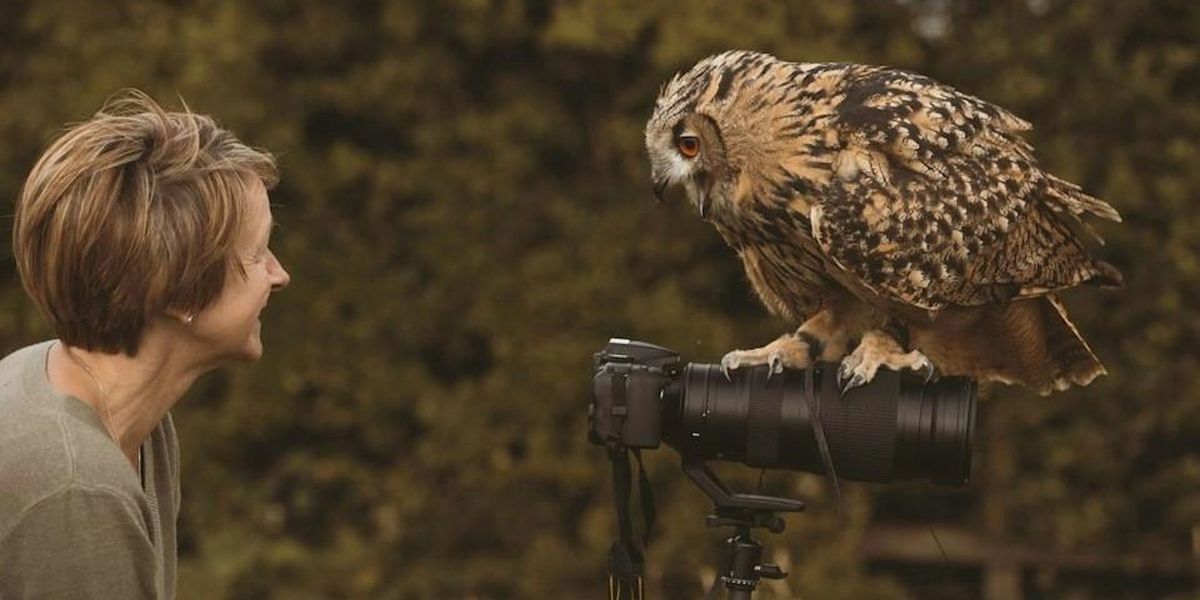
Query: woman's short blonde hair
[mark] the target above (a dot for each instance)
(129, 214)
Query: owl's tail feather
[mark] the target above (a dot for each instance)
(1036, 345)
(1072, 358)
(1030, 342)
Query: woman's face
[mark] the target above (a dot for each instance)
(231, 324)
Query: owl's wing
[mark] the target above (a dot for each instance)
(937, 201)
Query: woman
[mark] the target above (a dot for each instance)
(142, 237)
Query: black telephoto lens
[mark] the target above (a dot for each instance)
(896, 428)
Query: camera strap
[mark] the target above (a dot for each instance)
(626, 563)
(812, 400)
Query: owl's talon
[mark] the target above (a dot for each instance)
(787, 352)
(878, 350)
(847, 369)
(775, 366)
(927, 368)
(856, 381)
(729, 362)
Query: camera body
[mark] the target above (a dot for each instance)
(895, 428)
(629, 393)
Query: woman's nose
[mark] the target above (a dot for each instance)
(279, 275)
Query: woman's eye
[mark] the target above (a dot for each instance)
(258, 254)
(689, 145)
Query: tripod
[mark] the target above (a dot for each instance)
(743, 512)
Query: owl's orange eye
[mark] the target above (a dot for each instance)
(689, 145)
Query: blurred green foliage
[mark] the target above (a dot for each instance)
(466, 215)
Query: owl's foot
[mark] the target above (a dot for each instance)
(879, 349)
(790, 350)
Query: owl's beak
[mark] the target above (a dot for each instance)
(703, 187)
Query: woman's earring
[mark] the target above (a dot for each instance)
(187, 319)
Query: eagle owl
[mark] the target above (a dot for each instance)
(902, 223)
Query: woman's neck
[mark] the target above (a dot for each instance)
(130, 394)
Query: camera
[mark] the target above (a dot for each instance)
(896, 428)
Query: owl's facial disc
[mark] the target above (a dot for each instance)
(675, 158)
(687, 154)
(689, 149)
(698, 145)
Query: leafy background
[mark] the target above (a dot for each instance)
(466, 217)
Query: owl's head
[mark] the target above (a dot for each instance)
(695, 136)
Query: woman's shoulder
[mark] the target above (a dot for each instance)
(48, 445)
(26, 398)
(17, 363)
(45, 455)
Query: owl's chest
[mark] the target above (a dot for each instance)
(785, 265)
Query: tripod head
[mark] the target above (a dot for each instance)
(743, 512)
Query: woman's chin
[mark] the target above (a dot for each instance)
(252, 350)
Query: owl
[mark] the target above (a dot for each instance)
(899, 222)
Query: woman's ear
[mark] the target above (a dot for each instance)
(184, 317)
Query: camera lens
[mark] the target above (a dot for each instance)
(895, 428)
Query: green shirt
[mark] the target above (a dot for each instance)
(76, 521)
